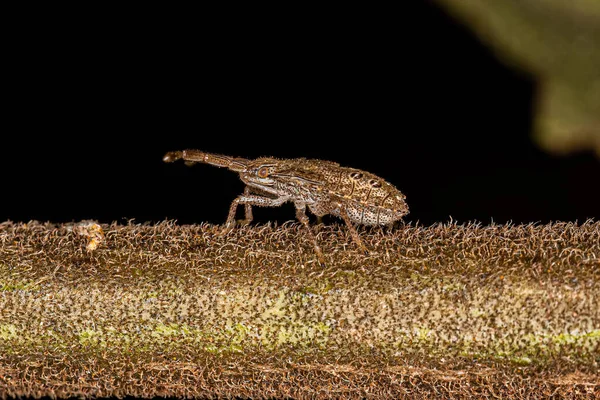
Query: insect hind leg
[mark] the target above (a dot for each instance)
(353, 231)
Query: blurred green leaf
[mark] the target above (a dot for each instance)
(559, 43)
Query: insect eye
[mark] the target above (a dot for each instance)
(263, 172)
(374, 183)
(356, 175)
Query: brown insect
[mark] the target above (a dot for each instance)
(324, 187)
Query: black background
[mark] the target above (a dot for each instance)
(95, 97)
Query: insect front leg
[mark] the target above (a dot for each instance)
(249, 200)
(247, 209)
(302, 217)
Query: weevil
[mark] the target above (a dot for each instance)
(324, 187)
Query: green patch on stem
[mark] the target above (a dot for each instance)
(8, 332)
(6, 286)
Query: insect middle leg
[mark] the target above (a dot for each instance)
(302, 217)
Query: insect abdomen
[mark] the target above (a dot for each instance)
(366, 198)
(370, 215)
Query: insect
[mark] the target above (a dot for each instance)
(324, 187)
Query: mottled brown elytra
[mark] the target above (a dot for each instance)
(324, 187)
